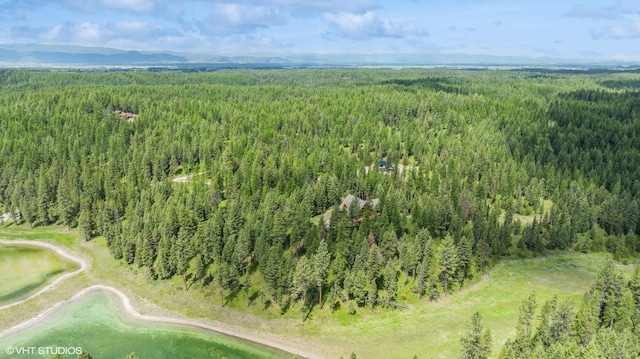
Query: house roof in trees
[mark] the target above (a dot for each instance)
(385, 166)
(130, 116)
(348, 200)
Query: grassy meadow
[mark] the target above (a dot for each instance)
(423, 328)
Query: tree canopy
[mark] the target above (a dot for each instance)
(236, 178)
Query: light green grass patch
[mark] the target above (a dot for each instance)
(432, 329)
(57, 234)
(25, 269)
(326, 215)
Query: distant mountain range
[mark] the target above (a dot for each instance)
(38, 55)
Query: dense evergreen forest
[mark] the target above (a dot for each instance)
(327, 187)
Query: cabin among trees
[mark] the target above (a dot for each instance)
(129, 116)
(356, 206)
(384, 166)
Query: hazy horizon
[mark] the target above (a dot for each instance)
(589, 30)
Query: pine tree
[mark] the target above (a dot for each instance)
(421, 278)
(372, 293)
(302, 279)
(279, 231)
(391, 281)
(587, 319)
(44, 199)
(543, 330)
(434, 274)
(65, 202)
(476, 341)
(448, 261)
(270, 270)
(410, 256)
(162, 266)
(321, 263)
(227, 278)
(242, 252)
(561, 329)
(234, 221)
(356, 284)
(27, 202)
(625, 310)
(389, 244)
(610, 284)
(374, 263)
(85, 219)
(522, 345)
(200, 268)
(182, 254)
(634, 285)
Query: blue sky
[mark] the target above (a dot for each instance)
(560, 28)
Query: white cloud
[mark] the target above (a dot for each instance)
(368, 25)
(321, 6)
(167, 9)
(139, 6)
(16, 10)
(136, 6)
(625, 32)
(231, 19)
(87, 32)
(612, 12)
(243, 15)
(91, 34)
(51, 34)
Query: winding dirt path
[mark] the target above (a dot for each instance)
(260, 338)
(58, 250)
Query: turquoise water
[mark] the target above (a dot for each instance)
(25, 269)
(95, 323)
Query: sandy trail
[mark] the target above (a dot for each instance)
(58, 250)
(183, 179)
(188, 178)
(260, 338)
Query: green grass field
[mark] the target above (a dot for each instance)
(432, 329)
(426, 329)
(53, 234)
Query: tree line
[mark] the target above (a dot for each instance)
(605, 324)
(494, 165)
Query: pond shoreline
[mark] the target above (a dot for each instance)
(221, 328)
(59, 251)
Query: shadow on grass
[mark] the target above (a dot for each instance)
(253, 297)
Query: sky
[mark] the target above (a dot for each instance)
(559, 28)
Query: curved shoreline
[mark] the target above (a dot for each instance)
(59, 251)
(126, 304)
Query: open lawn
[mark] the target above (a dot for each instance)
(426, 329)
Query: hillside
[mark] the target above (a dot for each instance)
(504, 164)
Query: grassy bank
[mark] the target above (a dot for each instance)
(426, 329)
(24, 270)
